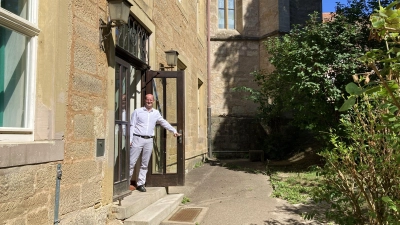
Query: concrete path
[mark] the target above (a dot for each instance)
(236, 197)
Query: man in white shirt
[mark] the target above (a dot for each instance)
(143, 122)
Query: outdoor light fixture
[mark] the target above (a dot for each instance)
(172, 58)
(118, 15)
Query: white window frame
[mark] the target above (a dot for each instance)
(28, 28)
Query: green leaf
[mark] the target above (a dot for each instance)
(353, 89)
(348, 104)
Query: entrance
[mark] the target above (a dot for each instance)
(168, 159)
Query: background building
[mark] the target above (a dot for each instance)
(238, 29)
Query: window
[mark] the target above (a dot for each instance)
(226, 14)
(18, 40)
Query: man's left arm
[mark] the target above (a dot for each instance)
(167, 126)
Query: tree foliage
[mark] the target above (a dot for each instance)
(312, 66)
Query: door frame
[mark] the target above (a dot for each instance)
(170, 179)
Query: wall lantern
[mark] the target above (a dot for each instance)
(118, 15)
(172, 58)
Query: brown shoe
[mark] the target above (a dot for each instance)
(141, 188)
(132, 188)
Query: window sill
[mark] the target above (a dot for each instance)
(17, 154)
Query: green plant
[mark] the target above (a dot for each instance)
(295, 187)
(185, 200)
(361, 170)
(198, 164)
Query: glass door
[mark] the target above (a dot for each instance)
(121, 129)
(168, 158)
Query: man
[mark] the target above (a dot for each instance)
(143, 122)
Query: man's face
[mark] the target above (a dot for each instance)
(149, 101)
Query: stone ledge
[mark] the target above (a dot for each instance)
(18, 154)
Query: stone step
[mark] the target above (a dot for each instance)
(156, 212)
(137, 201)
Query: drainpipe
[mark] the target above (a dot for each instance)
(210, 155)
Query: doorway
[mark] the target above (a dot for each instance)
(168, 159)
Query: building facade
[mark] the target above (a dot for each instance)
(67, 89)
(237, 32)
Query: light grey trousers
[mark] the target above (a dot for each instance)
(138, 145)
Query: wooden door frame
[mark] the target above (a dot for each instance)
(164, 179)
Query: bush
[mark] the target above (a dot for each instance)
(361, 178)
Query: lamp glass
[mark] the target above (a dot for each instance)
(172, 57)
(119, 11)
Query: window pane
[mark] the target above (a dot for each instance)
(221, 4)
(13, 76)
(231, 4)
(231, 19)
(221, 19)
(18, 7)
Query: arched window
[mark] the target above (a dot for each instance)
(226, 14)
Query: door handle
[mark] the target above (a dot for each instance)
(180, 137)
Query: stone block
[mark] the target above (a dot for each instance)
(87, 11)
(83, 126)
(89, 216)
(91, 193)
(16, 221)
(46, 177)
(87, 84)
(17, 181)
(80, 150)
(85, 57)
(40, 216)
(79, 172)
(86, 33)
(70, 197)
(17, 207)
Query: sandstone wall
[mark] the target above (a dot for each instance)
(180, 25)
(72, 111)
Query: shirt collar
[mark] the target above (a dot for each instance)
(145, 109)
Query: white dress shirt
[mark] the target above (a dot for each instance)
(144, 121)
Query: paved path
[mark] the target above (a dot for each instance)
(236, 197)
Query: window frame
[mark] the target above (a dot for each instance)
(29, 28)
(226, 15)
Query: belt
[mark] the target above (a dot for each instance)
(145, 137)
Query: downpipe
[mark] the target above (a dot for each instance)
(57, 197)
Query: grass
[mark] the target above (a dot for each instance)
(294, 187)
(185, 200)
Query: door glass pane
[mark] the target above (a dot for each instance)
(18, 7)
(117, 90)
(13, 78)
(172, 153)
(171, 101)
(158, 93)
(116, 153)
(158, 156)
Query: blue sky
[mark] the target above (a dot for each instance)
(329, 5)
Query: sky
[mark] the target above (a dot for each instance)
(329, 5)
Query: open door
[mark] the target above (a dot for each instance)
(121, 129)
(168, 159)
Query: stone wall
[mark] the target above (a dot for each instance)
(236, 134)
(178, 28)
(72, 110)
